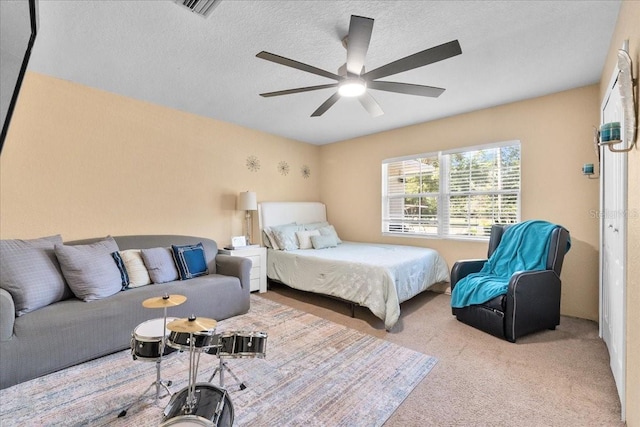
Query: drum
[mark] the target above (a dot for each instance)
(187, 421)
(211, 405)
(203, 340)
(242, 344)
(146, 340)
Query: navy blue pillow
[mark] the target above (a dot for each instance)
(190, 260)
(123, 270)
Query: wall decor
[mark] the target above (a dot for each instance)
(306, 172)
(627, 84)
(615, 132)
(283, 168)
(253, 164)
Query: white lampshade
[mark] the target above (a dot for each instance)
(247, 201)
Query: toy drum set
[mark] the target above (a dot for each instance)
(199, 403)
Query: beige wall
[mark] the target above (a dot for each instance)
(84, 162)
(628, 27)
(556, 133)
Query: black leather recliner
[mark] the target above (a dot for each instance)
(532, 302)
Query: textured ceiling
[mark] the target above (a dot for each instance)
(160, 52)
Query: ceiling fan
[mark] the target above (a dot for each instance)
(353, 81)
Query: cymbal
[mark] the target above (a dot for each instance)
(164, 301)
(192, 324)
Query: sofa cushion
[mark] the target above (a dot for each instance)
(31, 273)
(90, 270)
(160, 264)
(136, 270)
(190, 260)
(123, 270)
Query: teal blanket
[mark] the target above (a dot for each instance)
(523, 247)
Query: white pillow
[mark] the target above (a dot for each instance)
(304, 238)
(138, 274)
(272, 239)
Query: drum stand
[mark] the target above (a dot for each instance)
(159, 382)
(221, 368)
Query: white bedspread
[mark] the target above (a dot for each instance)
(376, 276)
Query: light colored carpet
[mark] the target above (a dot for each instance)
(316, 373)
(551, 378)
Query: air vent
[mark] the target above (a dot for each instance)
(200, 7)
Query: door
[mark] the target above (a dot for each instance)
(613, 215)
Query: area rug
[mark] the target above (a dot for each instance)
(315, 373)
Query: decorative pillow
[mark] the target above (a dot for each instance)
(190, 260)
(160, 264)
(31, 274)
(123, 270)
(329, 230)
(137, 272)
(90, 270)
(266, 240)
(315, 225)
(269, 231)
(285, 236)
(304, 238)
(322, 242)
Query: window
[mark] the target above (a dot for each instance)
(458, 193)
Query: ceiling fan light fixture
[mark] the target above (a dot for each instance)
(352, 87)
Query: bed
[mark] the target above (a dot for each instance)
(376, 276)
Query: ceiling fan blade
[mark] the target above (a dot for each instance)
(298, 90)
(370, 105)
(420, 59)
(360, 29)
(407, 88)
(297, 65)
(326, 105)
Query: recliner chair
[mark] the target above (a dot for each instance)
(532, 302)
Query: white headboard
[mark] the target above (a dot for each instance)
(278, 213)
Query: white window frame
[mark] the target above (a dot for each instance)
(443, 193)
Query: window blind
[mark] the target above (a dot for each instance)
(452, 194)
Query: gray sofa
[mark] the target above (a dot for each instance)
(72, 331)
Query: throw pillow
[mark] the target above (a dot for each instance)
(272, 238)
(123, 270)
(315, 225)
(329, 230)
(31, 273)
(323, 242)
(137, 272)
(266, 240)
(285, 236)
(304, 238)
(190, 260)
(160, 264)
(90, 270)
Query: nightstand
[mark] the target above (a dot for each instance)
(258, 257)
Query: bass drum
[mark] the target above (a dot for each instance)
(211, 404)
(187, 421)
